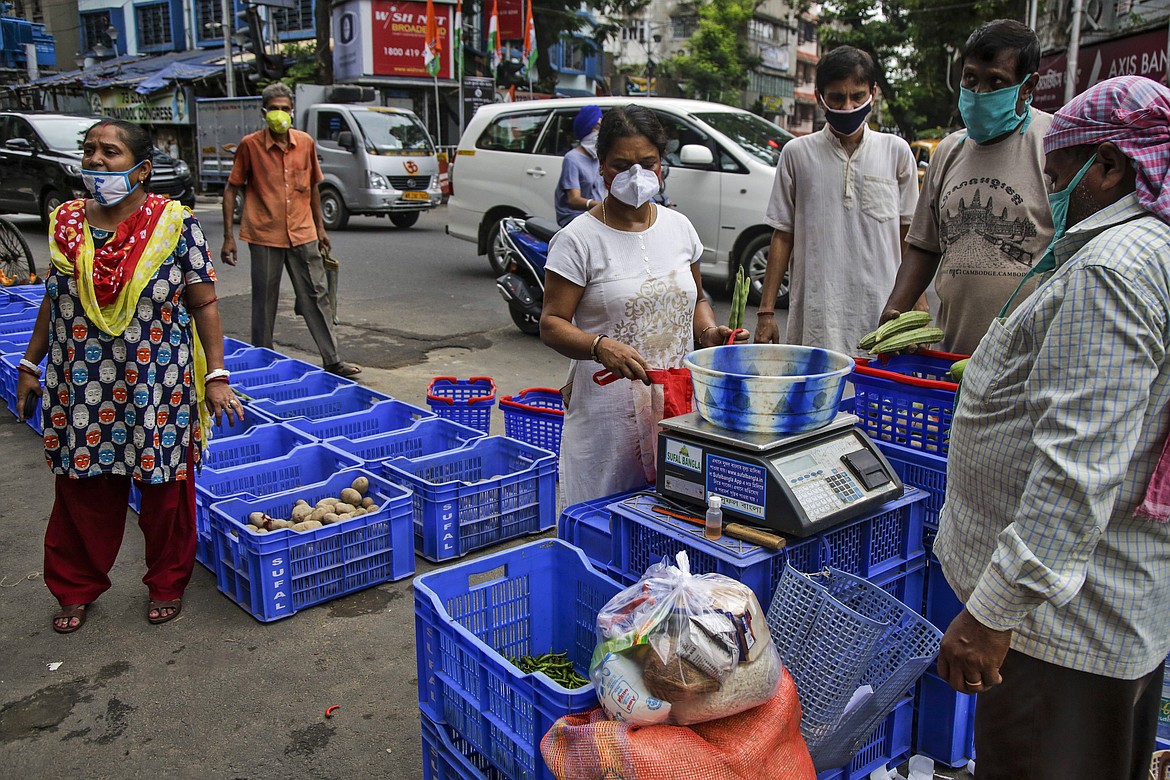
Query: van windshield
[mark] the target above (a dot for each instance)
(758, 137)
(392, 132)
(64, 134)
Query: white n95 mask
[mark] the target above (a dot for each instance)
(635, 185)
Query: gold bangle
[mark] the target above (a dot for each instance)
(593, 346)
(703, 333)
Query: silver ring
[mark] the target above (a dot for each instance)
(976, 684)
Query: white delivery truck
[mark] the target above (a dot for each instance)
(377, 160)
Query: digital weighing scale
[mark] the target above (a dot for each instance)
(797, 484)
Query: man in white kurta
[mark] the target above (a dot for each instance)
(841, 203)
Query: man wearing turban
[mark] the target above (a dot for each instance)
(580, 187)
(1054, 531)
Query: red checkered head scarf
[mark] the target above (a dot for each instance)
(1132, 112)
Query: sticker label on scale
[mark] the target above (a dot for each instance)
(684, 455)
(685, 487)
(742, 486)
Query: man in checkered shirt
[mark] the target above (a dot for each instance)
(1054, 531)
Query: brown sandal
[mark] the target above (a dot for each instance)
(68, 614)
(160, 607)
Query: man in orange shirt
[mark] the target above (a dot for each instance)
(278, 169)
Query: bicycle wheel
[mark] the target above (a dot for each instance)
(16, 260)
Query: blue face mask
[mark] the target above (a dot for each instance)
(989, 115)
(1058, 202)
(109, 188)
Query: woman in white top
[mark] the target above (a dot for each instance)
(623, 293)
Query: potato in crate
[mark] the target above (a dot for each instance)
(472, 617)
(273, 574)
(492, 490)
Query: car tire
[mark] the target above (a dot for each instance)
(334, 214)
(49, 201)
(527, 324)
(755, 263)
(495, 249)
(404, 219)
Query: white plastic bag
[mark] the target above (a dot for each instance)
(679, 648)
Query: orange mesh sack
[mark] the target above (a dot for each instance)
(763, 742)
(682, 649)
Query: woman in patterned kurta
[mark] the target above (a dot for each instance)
(623, 293)
(130, 329)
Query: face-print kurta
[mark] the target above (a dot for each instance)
(125, 404)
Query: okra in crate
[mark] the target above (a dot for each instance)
(272, 575)
(491, 490)
(472, 617)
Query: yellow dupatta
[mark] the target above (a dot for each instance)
(114, 318)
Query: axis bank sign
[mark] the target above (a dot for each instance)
(1142, 55)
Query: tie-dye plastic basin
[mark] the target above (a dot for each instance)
(768, 388)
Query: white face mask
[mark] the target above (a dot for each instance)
(589, 143)
(635, 185)
(109, 188)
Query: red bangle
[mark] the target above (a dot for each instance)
(205, 303)
(216, 379)
(28, 371)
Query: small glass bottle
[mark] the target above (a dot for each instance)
(714, 526)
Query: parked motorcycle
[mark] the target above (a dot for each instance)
(525, 250)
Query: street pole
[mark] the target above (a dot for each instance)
(438, 115)
(229, 66)
(1074, 49)
(1033, 10)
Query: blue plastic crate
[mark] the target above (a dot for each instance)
(888, 745)
(343, 400)
(465, 401)
(587, 525)
(27, 292)
(15, 331)
(535, 416)
(428, 436)
(232, 346)
(884, 543)
(250, 358)
(375, 420)
(470, 617)
(906, 400)
(252, 418)
(921, 470)
(946, 722)
(312, 385)
(272, 576)
(447, 756)
(258, 443)
(9, 376)
(282, 370)
(10, 346)
(492, 490)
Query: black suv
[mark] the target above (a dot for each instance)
(40, 164)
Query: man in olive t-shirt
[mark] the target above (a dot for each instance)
(983, 218)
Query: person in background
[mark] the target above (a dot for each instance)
(623, 294)
(841, 201)
(580, 186)
(982, 220)
(1054, 533)
(134, 369)
(277, 167)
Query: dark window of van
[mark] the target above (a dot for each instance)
(512, 132)
(558, 136)
(330, 125)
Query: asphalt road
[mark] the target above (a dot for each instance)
(215, 693)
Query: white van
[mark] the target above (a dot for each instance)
(509, 161)
(376, 160)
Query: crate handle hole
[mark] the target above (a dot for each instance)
(484, 577)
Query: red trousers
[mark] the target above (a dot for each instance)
(86, 528)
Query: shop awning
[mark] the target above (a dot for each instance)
(144, 74)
